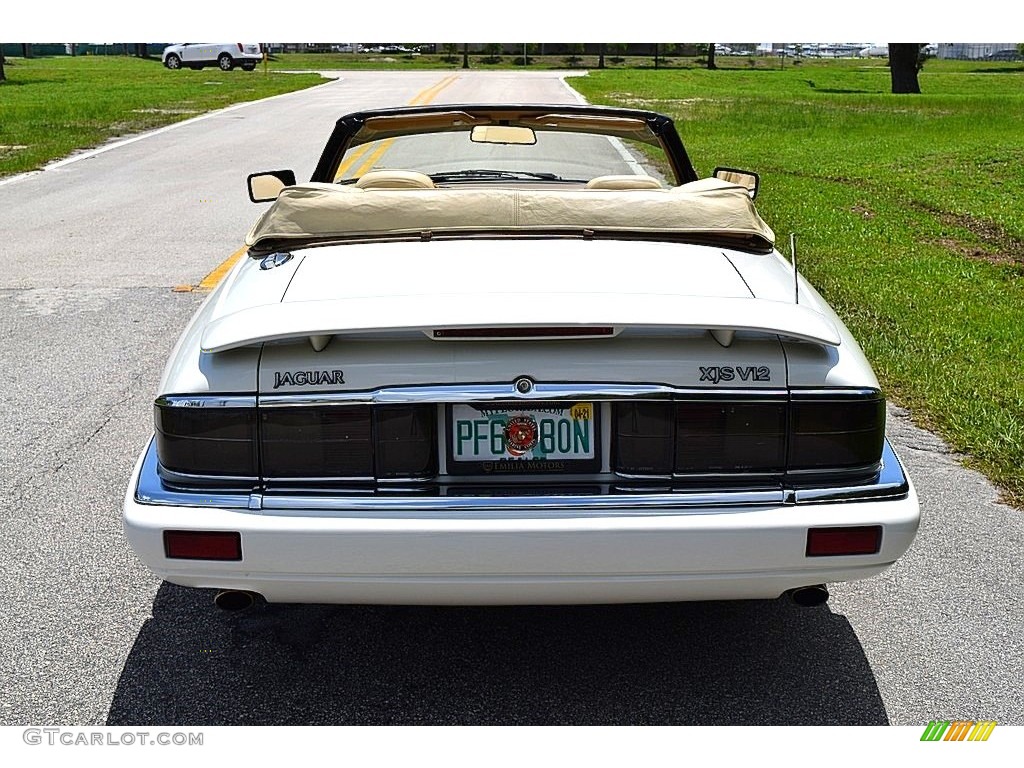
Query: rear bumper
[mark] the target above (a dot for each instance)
(519, 550)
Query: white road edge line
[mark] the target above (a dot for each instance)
(627, 156)
(117, 144)
(564, 78)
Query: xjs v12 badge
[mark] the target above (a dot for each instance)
(307, 378)
(719, 373)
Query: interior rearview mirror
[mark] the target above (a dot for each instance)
(502, 134)
(264, 187)
(747, 179)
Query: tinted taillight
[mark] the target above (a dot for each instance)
(349, 442)
(722, 437)
(317, 442)
(406, 443)
(643, 438)
(699, 437)
(839, 433)
(836, 432)
(207, 436)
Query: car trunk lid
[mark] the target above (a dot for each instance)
(632, 298)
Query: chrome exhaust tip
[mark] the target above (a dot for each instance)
(234, 600)
(810, 596)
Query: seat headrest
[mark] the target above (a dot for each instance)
(394, 179)
(627, 181)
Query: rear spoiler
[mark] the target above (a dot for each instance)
(321, 320)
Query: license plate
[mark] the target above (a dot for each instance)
(496, 438)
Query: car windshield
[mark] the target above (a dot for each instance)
(486, 144)
(455, 157)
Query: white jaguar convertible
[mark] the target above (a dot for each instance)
(486, 355)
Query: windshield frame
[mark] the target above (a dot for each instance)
(362, 127)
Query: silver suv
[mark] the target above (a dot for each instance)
(224, 55)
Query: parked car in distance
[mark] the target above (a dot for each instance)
(481, 358)
(388, 48)
(226, 56)
(881, 49)
(1005, 54)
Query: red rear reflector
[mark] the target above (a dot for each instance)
(521, 333)
(203, 545)
(862, 540)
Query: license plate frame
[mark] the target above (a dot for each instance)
(583, 432)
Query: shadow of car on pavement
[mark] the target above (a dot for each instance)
(713, 663)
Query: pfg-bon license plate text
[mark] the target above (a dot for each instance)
(550, 435)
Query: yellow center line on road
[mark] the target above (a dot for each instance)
(431, 93)
(425, 96)
(350, 161)
(210, 282)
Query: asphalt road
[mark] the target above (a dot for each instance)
(90, 252)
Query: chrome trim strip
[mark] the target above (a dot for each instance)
(805, 475)
(891, 483)
(762, 477)
(475, 393)
(284, 481)
(454, 393)
(515, 479)
(816, 393)
(153, 490)
(651, 477)
(349, 479)
(383, 481)
(620, 503)
(206, 401)
(184, 478)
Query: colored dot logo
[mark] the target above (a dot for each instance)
(958, 730)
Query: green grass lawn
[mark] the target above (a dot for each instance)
(909, 214)
(52, 106)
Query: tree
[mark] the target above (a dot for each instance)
(2, 62)
(525, 60)
(465, 55)
(493, 53)
(600, 55)
(905, 61)
(711, 56)
(575, 54)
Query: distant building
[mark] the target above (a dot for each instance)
(975, 51)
